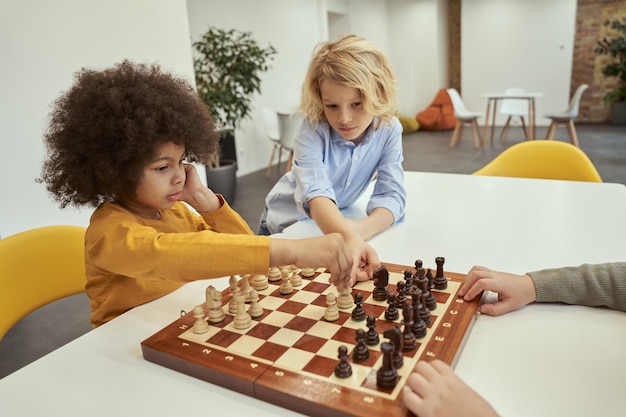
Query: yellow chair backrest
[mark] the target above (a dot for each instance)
(37, 267)
(545, 159)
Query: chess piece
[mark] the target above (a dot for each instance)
(440, 282)
(391, 313)
(344, 299)
(245, 287)
(408, 281)
(259, 282)
(387, 376)
(242, 319)
(361, 352)
(200, 325)
(401, 294)
(418, 328)
(343, 368)
(255, 309)
(371, 337)
(285, 284)
(409, 341)
(214, 304)
(381, 280)
(296, 279)
(232, 282)
(274, 274)
(431, 302)
(424, 312)
(395, 337)
(308, 272)
(331, 313)
(358, 314)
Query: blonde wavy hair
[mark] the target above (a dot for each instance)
(356, 63)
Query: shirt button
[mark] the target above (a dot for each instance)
(354, 158)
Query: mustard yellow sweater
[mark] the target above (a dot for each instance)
(131, 260)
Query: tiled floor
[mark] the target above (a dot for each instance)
(55, 324)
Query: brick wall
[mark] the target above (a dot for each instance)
(586, 66)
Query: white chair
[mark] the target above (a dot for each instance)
(568, 116)
(270, 121)
(512, 107)
(288, 124)
(464, 116)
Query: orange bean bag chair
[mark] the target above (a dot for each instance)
(439, 115)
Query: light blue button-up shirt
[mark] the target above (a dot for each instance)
(326, 165)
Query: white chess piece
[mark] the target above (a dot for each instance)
(331, 313)
(296, 279)
(308, 272)
(242, 319)
(214, 304)
(259, 282)
(200, 325)
(255, 309)
(245, 287)
(274, 274)
(344, 300)
(285, 285)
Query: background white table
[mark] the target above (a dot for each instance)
(491, 110)
(542, 360)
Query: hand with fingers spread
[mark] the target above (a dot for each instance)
(514, 291)
(434, 390)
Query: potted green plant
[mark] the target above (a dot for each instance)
(615, 48)
(228, 65)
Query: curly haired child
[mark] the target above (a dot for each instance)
(122, 140)
(349, 136)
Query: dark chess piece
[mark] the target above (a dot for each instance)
(424, 312)
(409, 342)
(391, 313)
(395, 336)
(371, 337)
(343, 368)
(360, 352)
(419, 268)
(358, 314)
(431, 302)
(387, 376)
(440, 282)
(408, 281)
(381, 280)
(419, 327)
(401, 296)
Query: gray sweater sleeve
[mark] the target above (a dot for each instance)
(589, 285)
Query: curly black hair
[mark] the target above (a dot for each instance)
(109, 125)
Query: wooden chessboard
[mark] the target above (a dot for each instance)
(288, 355)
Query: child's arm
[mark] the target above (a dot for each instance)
(201, 198)
(378, 220)
(330, 220)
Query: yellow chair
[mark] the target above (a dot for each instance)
(37, 267)
(542, 159)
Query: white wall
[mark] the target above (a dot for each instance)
(520, 43)
(525, 43)
(42, 44)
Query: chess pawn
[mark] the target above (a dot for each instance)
(401, 297)
(361, 352)
(344, 300)
(259, 282)
(274, 274)
(285, 285)
(296, 279)
(343, 368)
(308, 272)
(371, 337)
(358, 314)
(255, 309)
(331, 313)
(200, 325)
(242, 319)
(232, 305)
(391, 313)
(245, 287)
